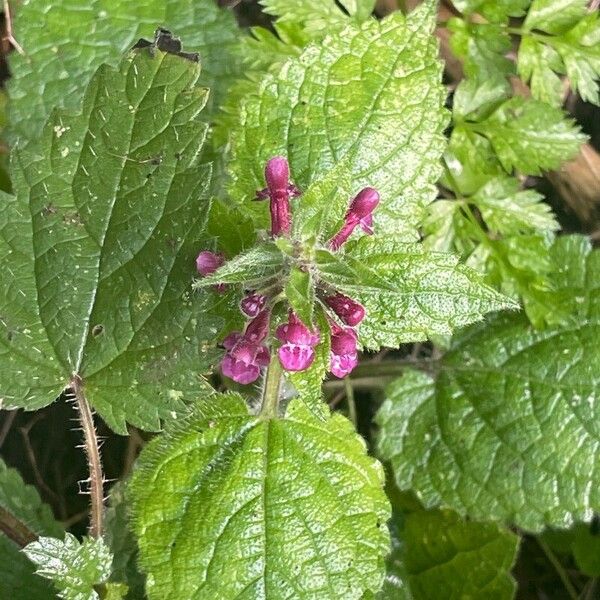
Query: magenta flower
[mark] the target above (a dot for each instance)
(279, 190)
(246, 355)
(207, 263)
(348, 310)
(297, 351)
(343, 356)
(252, 304)
(359, 214)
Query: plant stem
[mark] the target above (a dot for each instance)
(16, 530)
(558, 567)
(92, 451)
(350, 401)
(270, 399)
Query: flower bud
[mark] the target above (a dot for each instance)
(252, 304)
(360, 213)
(208, 262)
(348, 310)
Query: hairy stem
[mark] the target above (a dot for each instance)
(558, 567)
(92, 451)
(271, 391)
(16, 530)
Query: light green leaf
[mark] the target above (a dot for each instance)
(17, 577)
(555, 16)
(289, 507)
(538, 64)
(99, 248)
(259, 263)
(494, 10)
(508, 428)
(73, 567)
(531, 136)
(437, 550)
(508, 210)
(475, 100)
(372, 92)
(56, 67)
(300, 293)
(408, 292)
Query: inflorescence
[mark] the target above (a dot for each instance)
(247, 352)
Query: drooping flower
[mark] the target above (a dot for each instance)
(347, 309)
(343, 356)
(359, 214)
(297, 351)
(246, 354)
(252, 304)
(207, 263)
(279, 190)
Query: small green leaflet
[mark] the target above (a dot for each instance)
(56, 68)
(75, 568)
(288, 507)
(437, 550)
(300, 293)
(555, 16)
(372, 91)
(99, 246)
(508, 427)
(22, 501)
(409, 293)
(494, 10)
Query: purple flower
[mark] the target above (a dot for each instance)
(252, 304)
(297, 351)
(246, 355)
(279, 190)
(343, 356)
(359, 214)
(348, 310)
(207, 263)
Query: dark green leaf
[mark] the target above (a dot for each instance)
(300, 293)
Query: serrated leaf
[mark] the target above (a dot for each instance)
(554, 16)
(508, 210)
(285, 507)
(56, 68)
(537, 64)
(300, 293)
(531, 136)
(409, 293)
(17, 577)
(494, 10)
(475, 100)
(373, 91)
(73, 567)
(437, 550)
(99, 248)
(260, 262)
(507, 430)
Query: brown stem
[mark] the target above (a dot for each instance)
(92, 451)
(16, 530)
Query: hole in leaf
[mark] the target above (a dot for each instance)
(97, 330)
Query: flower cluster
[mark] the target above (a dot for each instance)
(247, 352)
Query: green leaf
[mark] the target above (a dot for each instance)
(437, 550)
(508, 428)
(73, 567)
(531, 136)
(586, 548)
(99, 248)
(555, 16)
(259, 263)
(56, 68)
(508, 210)
(494, 10)
(475, 100)
(408, 292)
(538, 64)
(372, 92)
(300, 293)
(285, 507)
(17, 577)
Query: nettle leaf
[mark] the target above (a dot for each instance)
(99, 247)
(61, 57)
(437, 550)
(531, 136)
(261, 261)
(74, 568)
(300, 293)
(22, 501)
(508, 428)
(409, 293)
(372, 91)
(289, 507)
